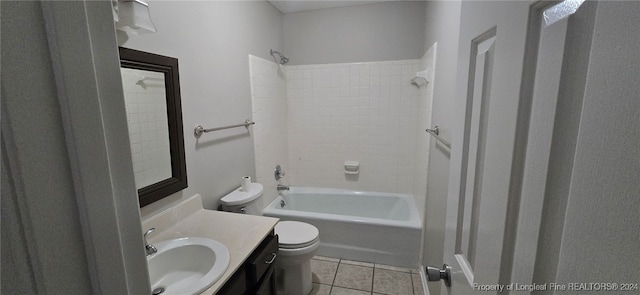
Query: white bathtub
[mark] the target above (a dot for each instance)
(364, 226)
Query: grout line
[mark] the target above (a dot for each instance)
(335, 275)
(348, 288)
(373, 278)
(413, 289)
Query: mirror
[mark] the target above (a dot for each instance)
(152, 96)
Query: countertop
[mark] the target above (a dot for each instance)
(240, 233)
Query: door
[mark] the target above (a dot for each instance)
(508, 83)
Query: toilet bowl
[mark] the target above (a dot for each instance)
(298, 242)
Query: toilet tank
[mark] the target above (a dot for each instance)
(246, 202)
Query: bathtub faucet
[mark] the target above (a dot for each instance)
(281, 187)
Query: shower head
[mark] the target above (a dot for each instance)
(283, 59)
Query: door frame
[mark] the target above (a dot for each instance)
(83, 54)
(94, 121)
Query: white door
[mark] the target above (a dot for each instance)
(509, 73)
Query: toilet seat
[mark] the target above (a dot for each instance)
(295, 234)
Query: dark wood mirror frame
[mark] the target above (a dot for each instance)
(140, 60)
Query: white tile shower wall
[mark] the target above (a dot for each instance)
(423, 139)
(269, 108)
(148, 126)
(365, 112)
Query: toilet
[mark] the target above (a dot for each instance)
(298, 241)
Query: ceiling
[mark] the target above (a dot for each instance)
(287, 6)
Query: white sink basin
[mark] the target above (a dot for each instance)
(187, 265)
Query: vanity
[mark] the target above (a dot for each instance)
(250, 240)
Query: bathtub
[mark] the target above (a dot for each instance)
(363, 226)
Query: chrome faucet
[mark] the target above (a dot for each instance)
(278, 173)
(281, 187)
(149, 249)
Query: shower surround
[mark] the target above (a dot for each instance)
(312, 118)
(352, 112)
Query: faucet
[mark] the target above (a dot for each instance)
(281, 187)
(278, 173)
(149, 249)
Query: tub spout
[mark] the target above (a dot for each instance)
(281, 187)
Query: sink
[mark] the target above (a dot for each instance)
(187, 265)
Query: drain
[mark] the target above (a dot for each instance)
(157, 291)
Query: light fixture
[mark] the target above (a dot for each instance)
(133, 17)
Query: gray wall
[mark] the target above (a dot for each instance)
(442, 26)
(361, 33)
(212, 41)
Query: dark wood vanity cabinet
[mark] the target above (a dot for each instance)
(256, 275)
(260, 267)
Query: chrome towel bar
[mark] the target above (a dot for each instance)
(435, 132)
(199, 129)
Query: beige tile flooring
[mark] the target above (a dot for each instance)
(333, 276)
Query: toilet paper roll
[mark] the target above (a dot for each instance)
(244, 185)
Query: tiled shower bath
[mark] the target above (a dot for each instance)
(310, 119)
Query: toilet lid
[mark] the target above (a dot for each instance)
(295, 234)
(239, 197)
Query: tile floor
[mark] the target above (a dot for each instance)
(333, 276)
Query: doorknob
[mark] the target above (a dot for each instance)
(435, 274)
